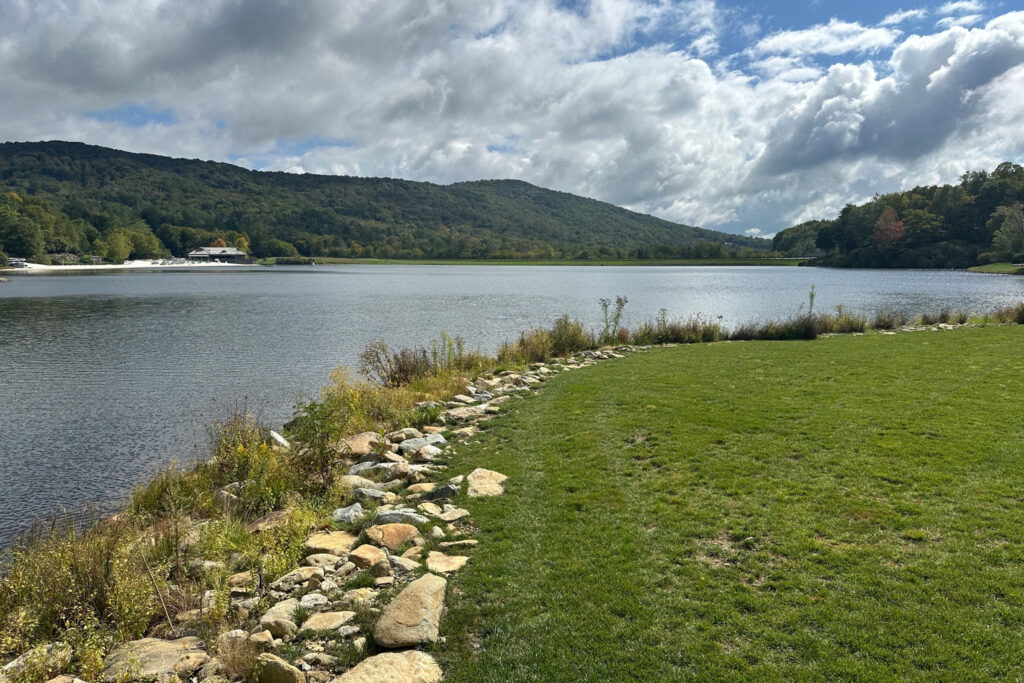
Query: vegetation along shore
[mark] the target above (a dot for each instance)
(706, 518)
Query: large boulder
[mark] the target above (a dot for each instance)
(272, 669)
(410, 666)
(362, 444)
(366, 555)
(280, 619)
(152, 659)
(392, 536)
(413, 617)
(485, 483)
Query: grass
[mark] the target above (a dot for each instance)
(844, 508)
(560, 262)
(1005, 268)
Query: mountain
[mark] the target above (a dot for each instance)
(979, 220)
(87, 199)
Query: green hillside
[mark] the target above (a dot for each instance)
(980, 220)
(65, 197)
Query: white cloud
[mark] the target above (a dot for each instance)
(590, 101)
(962, 7)
(758, 232)
(837, 37)
(900, 16)
(965, 20)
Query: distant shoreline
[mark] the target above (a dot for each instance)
(141, 264)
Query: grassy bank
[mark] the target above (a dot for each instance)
(1004, 268)
(558, 262)
(842, 508)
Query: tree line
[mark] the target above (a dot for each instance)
(979, 220)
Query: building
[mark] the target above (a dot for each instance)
(217, 254)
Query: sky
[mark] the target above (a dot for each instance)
(741, 116)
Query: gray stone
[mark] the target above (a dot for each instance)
(443, 493)
(323, 560)
(369, 494)
(427, 454)
(413, 445)
(353, 481)
(296, 578)
(412, 618)
(313, 601)
(403, 435)
(348, 515)
(400, 516)
(279, 440)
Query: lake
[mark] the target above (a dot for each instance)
(106, 377)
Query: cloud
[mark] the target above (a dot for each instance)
(758, 232)
(965, 20)
(901, 15)
(837, 37)
(962, 7)
(627, 101)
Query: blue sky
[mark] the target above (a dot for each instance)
(740, 116)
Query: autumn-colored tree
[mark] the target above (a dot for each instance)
(888, 229)
(218, 243)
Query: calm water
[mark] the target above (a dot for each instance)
(105, 377)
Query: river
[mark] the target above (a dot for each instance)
(106, 377)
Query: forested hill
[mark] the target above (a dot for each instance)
(65, 197)
(978, 221)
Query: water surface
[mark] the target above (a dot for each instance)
(106, 377)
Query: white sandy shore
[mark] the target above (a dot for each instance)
(144, 264)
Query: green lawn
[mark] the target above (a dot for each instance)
(1006, 268)
(847, 508)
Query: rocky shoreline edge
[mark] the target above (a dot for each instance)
(415, 542)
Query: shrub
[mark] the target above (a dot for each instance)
(844, 322)
(569, 336)
(612, 318)
(888, 319)
(1010, 314)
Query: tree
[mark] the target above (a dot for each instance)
(118, 247)
(218, 243)
(242, 244)
(888, 228)
(1009, 236)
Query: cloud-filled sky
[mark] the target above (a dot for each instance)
(740, 116)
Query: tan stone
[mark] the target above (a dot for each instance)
(383, 581)
(327, 621)
(272, 669)
(366, 555)
(412, 618)
(392, 536)
(413, 553)
(155, 658)
(279, 619)
(485, 483)
(453, 514)
(297, 577)
(444, 564)
(363, 443)
(431, 429)
(321, 560)
(268, 522)
(429, 508)
(332, 542)
(241, 579)
(468, 543)
(359, 596)
(411, 666)
(425, 487)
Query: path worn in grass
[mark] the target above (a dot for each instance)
(849, 507)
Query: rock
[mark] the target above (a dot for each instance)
(60, 679)
(332, 542)
(392, 536)
(225, 500)
(412, 445)
(429, 508)
(279, 440)
(383, 581)
(366, 555)
(425, 487)
(323, 560)
(403, 565)
(412, 618)
(453, 514)
(279, 619)
(263, 641)
(296, 577)
(348, 515)
(445, 492)
(382, 568)
(313, 601)
(353, 481)
(435, 533)
(359, 596)
(272, 669)
(400, 515)
(466, 432)
(468, 543)
(327, 621)
(439, 562)
(369, 494)
(403, 435)
(431, 429)
(362, 444)
(200, 568)
(50, 658)
(413, 553)
(457, 481)
(346, 569)
(268, 522)
(241, 579)
(152, 658)
(411, 666)
(463, 414)
(231, 639)
(485, 483)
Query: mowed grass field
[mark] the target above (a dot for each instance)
(847, 508)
